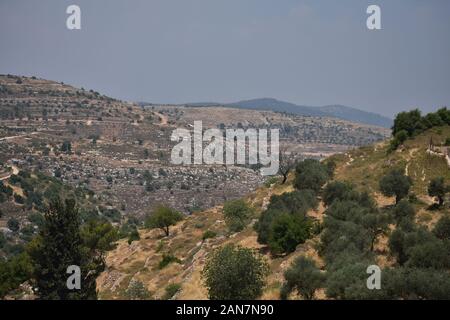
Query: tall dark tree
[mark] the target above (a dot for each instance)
(66, 147)
(58, 246)
(286, 212)
(376, 224)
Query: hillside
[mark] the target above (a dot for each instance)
(121, 151)
(362, 167)
(139, 261)
(303, 135)
(117, 149)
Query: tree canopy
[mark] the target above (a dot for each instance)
(438, 189)
(284, 224)
(311, 174)
(234, 273)
(304, 277)
(237, 214)
(163, 218)
(59, 245)
(395, 183)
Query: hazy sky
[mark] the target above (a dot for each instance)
(308, 52)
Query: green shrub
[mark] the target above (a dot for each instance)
(134, 235)
(237, 214)
(438, 189)
(442, 228)
(338, 190)
(286, 232)
(137, 291)
(284, 224)
(13, 224)
(403, 210)
(171, 290)
(208, 235)
(167, 259)
(270, 181)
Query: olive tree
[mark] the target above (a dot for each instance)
(234, 273)
(304, 277)
(311, 174)
(163, 218)
(395, 183)
(237, 214)
(437, 189)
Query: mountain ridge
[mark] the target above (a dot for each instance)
(333, 111)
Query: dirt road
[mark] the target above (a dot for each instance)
(17, 136)
(15, 170)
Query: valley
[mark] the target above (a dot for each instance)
(113, 158)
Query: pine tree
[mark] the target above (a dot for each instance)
(58, 246)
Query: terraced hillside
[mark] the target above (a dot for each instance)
(121, 151)
(139, 262)
(364, 165)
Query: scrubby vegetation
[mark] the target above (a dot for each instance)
(137, 291)
(237, 214)
(284, 224)
(167, 259)
(171, 290)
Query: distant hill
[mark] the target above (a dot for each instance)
(335, 111)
